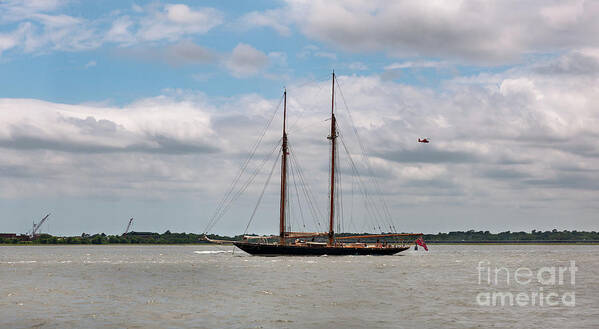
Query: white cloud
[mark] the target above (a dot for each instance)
(188, 52)
(315, 51)
(120, 31)
(181, 53)
(175, 21)
(484, 32)
(41, 30)
(416, 64)
(246, 61)
(80, 128)
(90, 64)
(563, 15)
(581, 62)
(269, 18)
(59, 149)
(357, 66)
(15, 10)
(522, 138)
(326, 54)
(7, 41)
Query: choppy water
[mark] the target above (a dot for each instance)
(211, 287)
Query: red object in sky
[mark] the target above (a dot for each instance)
(424, 140)
(421, 243)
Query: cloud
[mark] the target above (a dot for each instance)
(246, 61)
(182, 53)
(357, 66)
(120, 31)
(315, 51)
(243, 61)
(429, 155)
(15, 10)
(325, 54)
(90, 64)
(163, 145)
(269, 18)
(175, 21)
(189, 52)
(51, 33)
(573, 63)
(523, 138)
(42, 125)
(416, 64)
(468, 31)
(41, 30)
(8, 41)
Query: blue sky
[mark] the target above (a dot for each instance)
(103, 73)
(106, 73)
(112, 108)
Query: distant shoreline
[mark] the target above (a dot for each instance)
(565, 242)
(169, 238)
(517, 242)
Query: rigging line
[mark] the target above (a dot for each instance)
(364, 156)
(262, 193)
(303, 84)
(320, 89)
(369, 207)
(294, 126)
(308, 194)
(243, 188)
(317, 214)
(227, 199)
(355, 170)
(311, 207)
(297, 194)
(250, 180)
(351, 218)
(339, 193)
(288, 212)
(244, 166)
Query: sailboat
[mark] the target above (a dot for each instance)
(304, 243)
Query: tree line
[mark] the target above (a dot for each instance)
(193, 238)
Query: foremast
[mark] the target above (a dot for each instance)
(333, 138)
(284, 152)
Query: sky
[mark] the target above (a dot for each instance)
(147, 109)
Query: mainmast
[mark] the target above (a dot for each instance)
(283, 173)
(333, 138)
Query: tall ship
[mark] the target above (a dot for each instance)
(328, 242)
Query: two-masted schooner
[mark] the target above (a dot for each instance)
(304, 243)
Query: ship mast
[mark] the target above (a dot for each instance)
(333, 138)
(283, 174)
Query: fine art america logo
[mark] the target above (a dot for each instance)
(547, 286)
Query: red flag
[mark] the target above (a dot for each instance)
(421, 243)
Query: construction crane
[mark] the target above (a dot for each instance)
(128, 226)
(37, 226)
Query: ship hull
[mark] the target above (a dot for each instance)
(262, 249)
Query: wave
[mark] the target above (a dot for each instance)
(204, 252)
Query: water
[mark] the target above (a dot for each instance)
(211, 287)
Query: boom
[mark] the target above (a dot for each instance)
(128, 226)
(37, 226)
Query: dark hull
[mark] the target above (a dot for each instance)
(262, 249)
